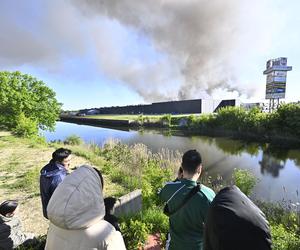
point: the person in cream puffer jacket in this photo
(76, 212)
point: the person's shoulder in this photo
(169, 188)
(106, 235)
(115, 241)
(208, 192)
(172, 185)
(49, 168)
(101, 227)
(45, 168)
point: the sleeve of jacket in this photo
(5, 240)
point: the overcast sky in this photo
(95, 53)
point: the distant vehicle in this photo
(81, 114)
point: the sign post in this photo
(276, 72)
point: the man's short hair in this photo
(60, 154)
(8, 207)
(191, 161)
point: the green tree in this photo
(23, 96)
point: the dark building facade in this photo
(172, 107)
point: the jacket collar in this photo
(189, 182)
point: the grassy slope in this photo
(20, 162)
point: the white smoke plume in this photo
(199, 42)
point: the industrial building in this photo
(195, 106)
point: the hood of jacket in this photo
(77, 203)
(235, 222)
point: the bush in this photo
(245, 180)
(283, 239)
(25, 127)
(166, 120)
(73, 140)
(135, 233)
(157, 219)
(140, 120)
(231, 118)
(192, 121)
(288, 119)
(154, 177)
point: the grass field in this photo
(20, 163)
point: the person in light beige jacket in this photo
(76, 211)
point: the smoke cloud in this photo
(196, 43)
(197, 37)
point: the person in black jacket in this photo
(53, 174)
(109, 203)
(234, 222)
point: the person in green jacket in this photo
(187, 216)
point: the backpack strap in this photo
(194, 191)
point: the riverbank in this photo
(280, 128)
(125, 168)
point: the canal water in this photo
(278, 171)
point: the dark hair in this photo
(8, 207)
(60, 154)
(109, 203)
(191, 161)
(180, 170)
(101, 177)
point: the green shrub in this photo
(288, 119)
(155, 217)
(135, 233)
(73, 140)
(166, 120)
(231, 118)
(25, 127)
(283, 239)
(140, 119)
(192, 121)
(154, 177)
(245, 180)
(206, 120)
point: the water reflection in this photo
(275, 168)
(270, 164)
